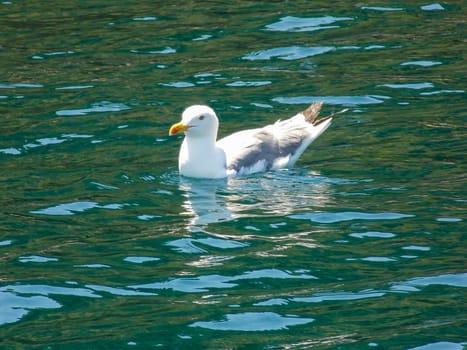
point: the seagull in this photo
(274, 146)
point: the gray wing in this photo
(257, 149)
(274, 146)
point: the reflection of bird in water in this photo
(248, 201)
(274, 146)
(202, 201)
(278, 193)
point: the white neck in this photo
(200, 157)
(199, 146)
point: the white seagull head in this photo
(197, 121)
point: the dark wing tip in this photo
(312, 112)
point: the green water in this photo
(104, 246)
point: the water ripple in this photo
(206, 282)
(44, 141)
(302, 24)
(202, 37)
(453, 280)
(10, 151)
(6, 242)
(417, 247)
(253, 322)
(382, 8)
(163, 51)
(441, 92)
(36, 259)
(191, 285)
(442, 345)
(98, 107)
(75, 207)
(413, 86)
(75, 87)
(43, 289)
(93, 266)
(187, 245)
(288, 53)
(333, 100)
(372, 234)
(421, 63)
(339, 296)
(328, 218)
(20, 85)
(146, 18)
(377, 259)
(117, 291)
(240, 83)
(432, 7)
(15, 307)
(178, 84)
(140, 259)
(52, 54)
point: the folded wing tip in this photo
(312, 112)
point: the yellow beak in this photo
(178, 128)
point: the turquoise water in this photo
(104, 246)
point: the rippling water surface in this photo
(103, 245)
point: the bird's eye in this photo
(201, 117)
